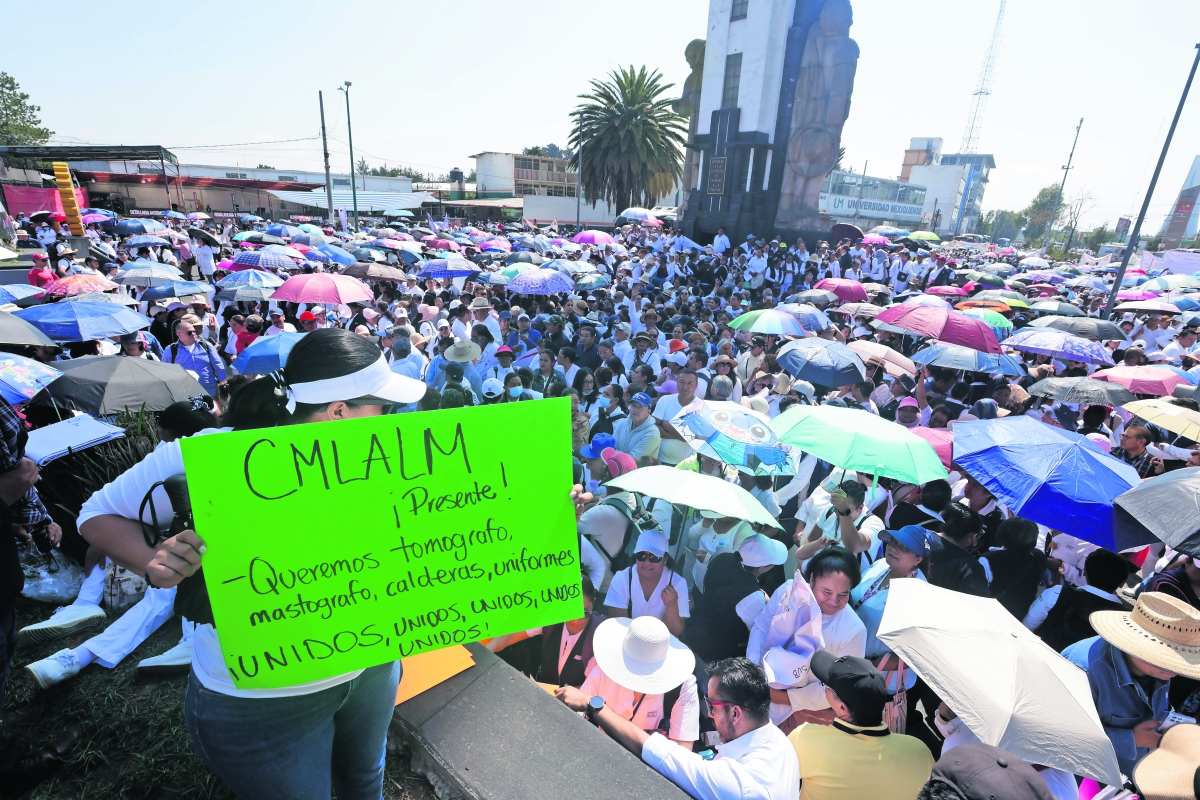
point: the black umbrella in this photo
(263, 238)
(1087, 391)
(424, 231)
(14, 330)
(369, 255)
(524, 257)
(844, 230)
(1164, 508)
(204, 236)
(1098, 330)
(102, 385)
(1056, 307)
(41, 216)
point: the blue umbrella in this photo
(1045, 474)
(250, 218)
(593, 281)
(457, 268)
(539, 282)
(147, 241)
(82, 322)
(336, 253)
(250, 277)
(175, 289)
(310, 239)
(129, 227)
(104, 211)
(279, 229)
(21, 378)
(821, 362)
(18, 291)
(316, 255)
(955, 356)
(172, 214)
(257, 258)
(246, 293)
(266, 353)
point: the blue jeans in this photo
(291, 747)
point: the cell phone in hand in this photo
(1175, 718)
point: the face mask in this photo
(515, 391)
(603, 402)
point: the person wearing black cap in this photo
(979, 771)
(857, 756)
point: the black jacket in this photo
(952, 567)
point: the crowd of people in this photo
(735, 658)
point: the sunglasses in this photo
(714, 704)
(653, 559)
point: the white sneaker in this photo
(55, 669)
(63, 622)
(177, 659)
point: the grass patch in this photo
(134, 743)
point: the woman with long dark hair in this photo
(266, 743)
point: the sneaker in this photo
(177, 659)
(55, 669)
(63, 622)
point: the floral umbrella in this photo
(79, 284)
(21, 378)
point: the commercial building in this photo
(852, 198)
(513, 175)
(954, 184)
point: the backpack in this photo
(174, 351)
(636, 520)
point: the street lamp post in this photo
(350, 134)
(1137, 227)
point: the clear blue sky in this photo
(435, 82)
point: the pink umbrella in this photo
(1135, 271)
(89, 219)
(78, 284)
(443, 244)
(651, 223)
(947, 290)
(1159, 381)
(942, 324)
(226, 265)
(942, 441)
(848, 291)
(323, 287)
(430, 238)
(875, 238)
(1135, 294)
(592, 237)
(403, 237)
(558, 242)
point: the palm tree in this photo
(632, 141)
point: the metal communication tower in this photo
(975, 121)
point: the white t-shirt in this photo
(685, 717)
(272, 330)
(670, 451)
(618, 594)
(123, 498)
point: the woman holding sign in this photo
(290, 742)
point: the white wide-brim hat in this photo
(641, 654)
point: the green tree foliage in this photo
(1098, 236)
(549, 151)
(19, 121)
(264, 166)
(1000, 224)
(632, 140)
(1044, 206)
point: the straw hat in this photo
(1172, 772)
(1161, 631)
(642, 655)
(463, 352)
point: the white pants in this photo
(134, 627)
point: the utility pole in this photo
(861, 181)
(1137, 226)
(1061, 186)
(579, 176)
(350, 133)
(325, 147)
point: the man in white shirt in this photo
(204, 259)
(673, 448)
(1184, 341)
(755, 760)
(278, 325)
(720, 242)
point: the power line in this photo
(240, 144)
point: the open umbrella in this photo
(637, 213)
(735, 435)
(1152, 379)
(1056, 307)
(1059, 344)
(453, 267)
(282, 231)
(1163, 508)
(930, 300)
(1000, 324)
(847, 291)
(822, 362)
(955, 356)
(18, 291)
(176, 288)
(82, 322)
(858, 440)
(21, 378)
(540, 282)
(526, 257)
(879, 355)
(1149, 306)
(266, 353)
(1087, 391)
(322, 287)
(14, 330)
(133, 227)
(694, 490)
(250, 277)
(1098, 330)
(948, 291)
(1048, 475)
(1176, 419)
(1009, 687)
(1034, 261)
(102, 297)
(101, 385)
(768, 320)
(78, 284)
(377, 272)
(814, 319)
(256, 259)
(942, 324)
(593, 281)
(201, 235)
(844, 230)
(985, 305)
(818, 296)
(592, 237)
(941, 440)
(139, 275)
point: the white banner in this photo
(840, 205)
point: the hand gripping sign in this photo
(336, 546)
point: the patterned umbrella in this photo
(78, 284)
(540, 282)
(593, 281)
(250, 277)
(496, 246)
(592, 237)
(942, 324)
(448, 268)
(848, 291)
(21, 378)
(261, 260)
(175, 288)
(768, 320)
(737, 436)
(284, 250)
(1059, 344)
(323, 288)
(1043, 276)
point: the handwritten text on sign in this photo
(335, 546)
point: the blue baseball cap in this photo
(913, 537)
(600, 442)
(642, 399)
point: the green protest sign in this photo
(335, 546)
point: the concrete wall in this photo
(494, 172)
(541, 209)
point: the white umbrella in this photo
(1035, 261)
(701, 492)
(1010, 688)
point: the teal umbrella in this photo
(860, 441)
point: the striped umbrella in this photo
(250, 277)
(261, 260)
